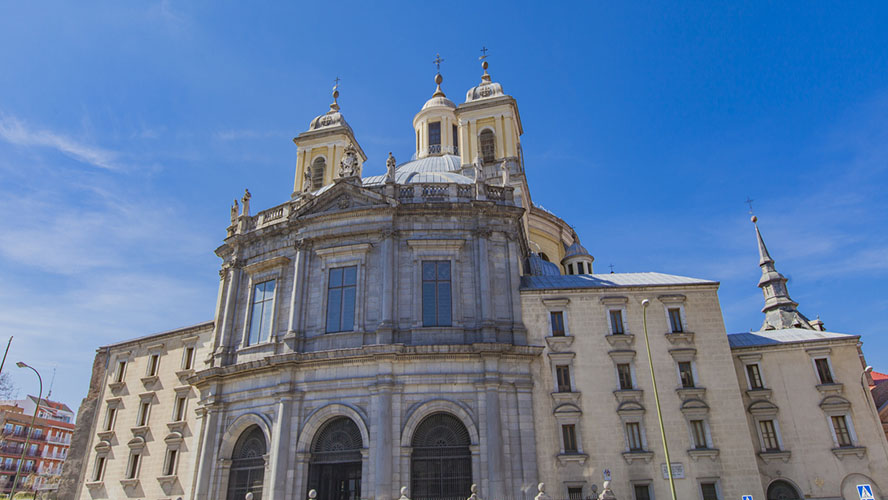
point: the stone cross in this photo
(483, 53)
(438, 61)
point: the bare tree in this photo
(8, 390)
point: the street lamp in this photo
(18, 470)
(644, 305)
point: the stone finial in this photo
(246, 200)
(607, 493)
(234, 210)
(542, 493)
(474, 495)
(403, 488)
(248, 496)
(312, 494)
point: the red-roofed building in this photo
(46, 449)
(878, 378)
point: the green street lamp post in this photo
(30, 430)
(644, 305)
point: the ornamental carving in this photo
(348, 166)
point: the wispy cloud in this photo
(243, 134)
(16, 132)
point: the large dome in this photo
(431, 169)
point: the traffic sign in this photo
(865, 492)
(746, 497)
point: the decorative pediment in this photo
(136, 442)
(341, 197)
(628, 408)
(102, 446)
(762, 407)
(694, 407)
(567, 409)
(836, 404)
(173, 438)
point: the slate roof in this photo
(784, 336)
(612, 280)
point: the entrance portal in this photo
(335, 467)
(441, 463)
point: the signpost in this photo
(746, 497)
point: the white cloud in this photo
(15, 132)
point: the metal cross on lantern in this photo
(483, 53)
(438, 61)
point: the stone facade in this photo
(433, 328)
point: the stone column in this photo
(225, 328)
(209, 417)
(384, 331)
(296, 295)
(382, 446)
(488, 329)
(509, 135)
(280, 447)
(495, 469)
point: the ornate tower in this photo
(435, 125)
(780, 310)
(321, 150)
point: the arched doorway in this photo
(441, 463)
(335, 467)
(247, 465)
(782, 490)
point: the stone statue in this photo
(348, 166)
(306, 180)
(390, 168)
(479, 173)
(505, 173)
(234, 209)
(607, 493)
(542, 493)
(474, 495)
(246, 200)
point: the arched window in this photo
(317, 173)
(247, 465)
(488, 146)
(782, 490)
(335, 467)
(441, 463)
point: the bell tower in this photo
(321, 149)
(435, 126)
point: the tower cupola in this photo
(435, 125)
(321, 149)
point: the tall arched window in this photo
(247, 465)
(317, 173)
(488, 146)
(335, 467)
(441, 463)
(782, 490)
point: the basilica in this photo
(434, 333)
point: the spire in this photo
(486, 76)
(335, 105)
(780, 310)
(438, 77)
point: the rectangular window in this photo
(262, 312)
(557, 323)
(624, 372)
(110, 418)
(563, 373)
(569, 435)
(99, 469)
(755, 377)
(686, 372)
(153, 363)
(698, 428)
(436, 293)
(435, 134)
(121, 371)
(642, 492)
(341, 299)
(455, 140)
(633, 436)
(570, 269)
(144, 409)
(132, 467)
(710, 492)
(843, 436)
(823, 371)
(616, 317)
(675, 319)
(169, 468)
(575, 494)
(179, 409)
(769, 435)
(188, 358)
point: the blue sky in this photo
(126, 129)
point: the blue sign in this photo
(746, 497)
(865, 492)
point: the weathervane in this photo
(438, 61)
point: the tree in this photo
(8, 390)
